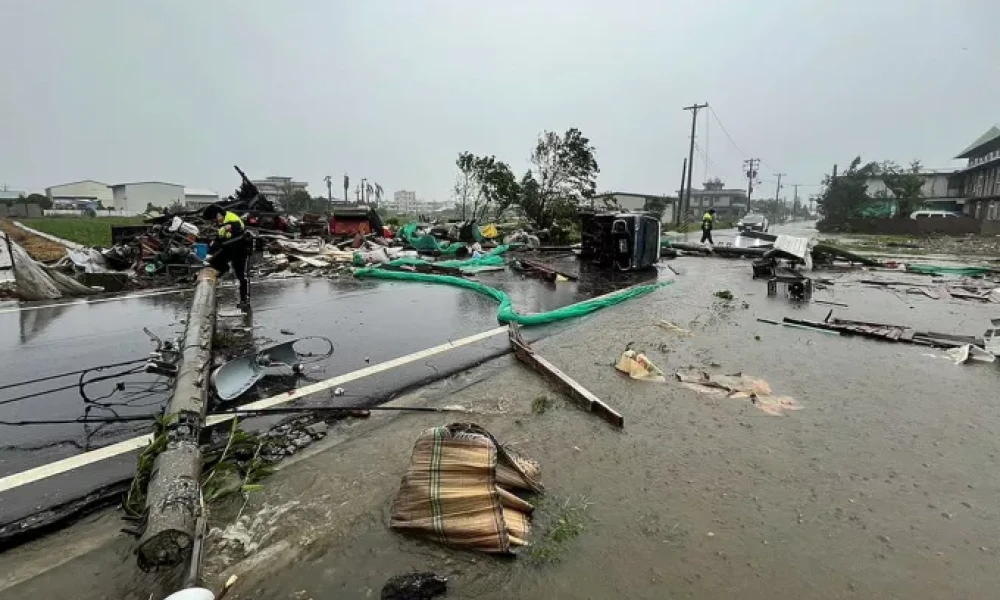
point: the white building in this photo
(276, 187)
(86, 190)
(138, 195)
(637, 202)
(195, 198)
(404, 201)
(942, 189)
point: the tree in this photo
(40, 199)
(484, 182)
(846, 195)
(296, 202)
(906, 186)
(564, 176)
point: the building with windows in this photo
(942, 189)
(980, 179)
(87, 190)
(728, 203)
(662, 205)
(277, 187)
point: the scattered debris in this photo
(287, 332)
(739, 386)
(539, 405)
(415, 586)
(963, 354)
(240, 374)
(891, 333)
(637, 366)
(675, 329)
(459, 490)
(724, 294)
(579, 394)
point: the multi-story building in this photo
(638, 202)
(404, 201)
(981, 176)
(942, 189)
(277, 187)
(728, 203)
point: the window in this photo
(992, 215)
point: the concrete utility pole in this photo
(173, 498)
(347, 184)
(329, 189)
(680, 194)
(751, 165)
(694, 108)
(777, 190)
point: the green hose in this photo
(506, 313)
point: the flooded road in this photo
(881, 486)
(368, 322)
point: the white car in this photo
(753, 222)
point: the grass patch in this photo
(89, 231)
(539, 405)
(565, 522)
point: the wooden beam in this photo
(579, 394)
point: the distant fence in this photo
(92, 213)
(906, 227)
(21, 209)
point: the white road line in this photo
(94, 301)
(23, 478)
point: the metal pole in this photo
(680, 194)
(173, 499)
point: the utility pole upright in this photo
(694, 108)
(777, 189)
(680, 194)
(751, 164)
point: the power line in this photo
(708, 160)
(726, 131)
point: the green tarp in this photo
(966, 271)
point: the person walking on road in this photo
(707, 221)
(230, 248)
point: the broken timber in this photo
(580, 395)
(889, 333)
(173, 499)
(547, 272)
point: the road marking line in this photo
(94, 301)
(58, 467)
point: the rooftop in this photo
(984, 144)
(199, 192)
(76, 182)
(145, 182)
(635, 195)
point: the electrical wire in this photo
(68, 373)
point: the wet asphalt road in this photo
(368, 322)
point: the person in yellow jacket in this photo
(707, 222)
(230, 248)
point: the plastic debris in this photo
(675, 329)
(738, 386)
(415, 586)
(968, 352)
(637, 366)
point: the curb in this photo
(50, 237)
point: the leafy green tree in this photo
(564, 176)
(906, 185)
(40, 199)
(296, 202)
(846, 195)
(484, 186)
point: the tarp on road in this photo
(459, 490)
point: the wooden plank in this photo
(579, 394)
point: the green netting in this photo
(506, 313)
(944, 270)
(471, 265)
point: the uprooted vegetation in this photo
(558, 523)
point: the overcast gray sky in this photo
(125, 90)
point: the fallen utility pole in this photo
(173, 499)
(579, 394)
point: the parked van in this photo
(935, 214)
